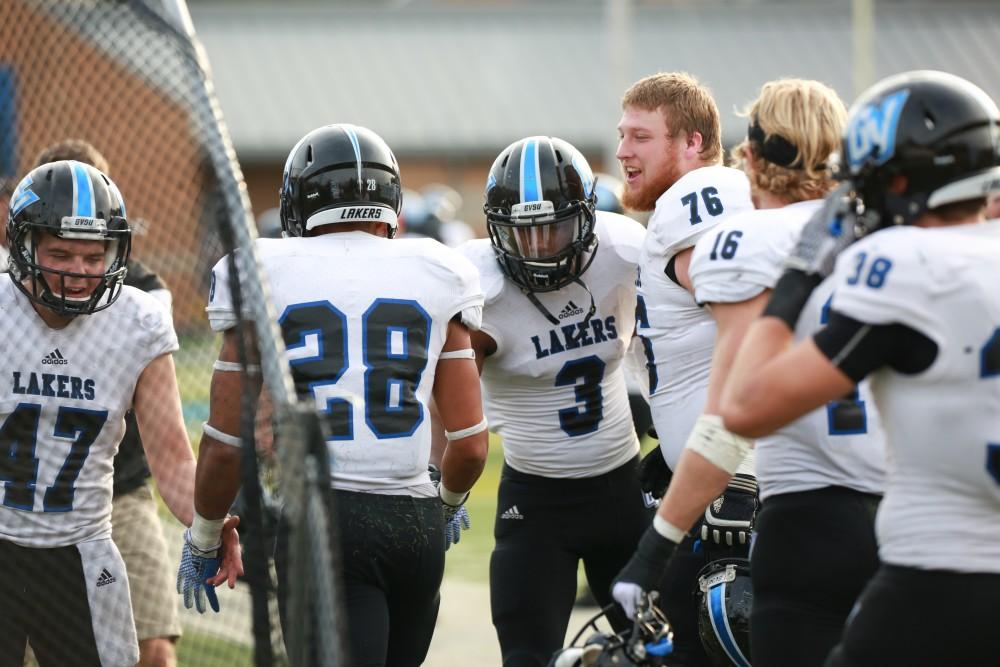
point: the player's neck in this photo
(763, 199)
(53, 319)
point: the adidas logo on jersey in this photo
(105, 578)
(570, 310)
(512, 513)
(55, 357)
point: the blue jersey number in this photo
(846, 416)
(642, 322)
(394, 339)
(876, 272)
(19, 466)
(709, 195)
(989, 367)
(729, 246)
(585, 418)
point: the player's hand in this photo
(231, 567)
(198, 565)
(729, 519)
(456, 517)
(643, 571)
(829, 231)
(654, 474)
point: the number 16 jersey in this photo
(556, 392)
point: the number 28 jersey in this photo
(839, 444)
(364, 320)
(64, 397)
(556, 392)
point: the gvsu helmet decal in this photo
(871, 134)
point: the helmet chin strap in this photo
(549, 316)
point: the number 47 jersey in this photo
(62, 405)
(364, 320)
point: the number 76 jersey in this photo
(364, 319)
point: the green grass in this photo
(204, 650)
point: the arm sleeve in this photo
(858, 349)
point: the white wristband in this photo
(668, 530)
(723, 449)
(234, 366)
(466, 432)
(206, 534)
(467, 353)
(224, 438)
(450, 497)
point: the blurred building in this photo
(449, 84)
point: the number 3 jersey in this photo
(942, 503)
(840, 444)
(556, 392)
(364, 319)
(676, 334)
(65, 395)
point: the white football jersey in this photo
(942, 504)
(63, 412)
(839, 444)
(364, 320)
(676, 333)
(556, 393)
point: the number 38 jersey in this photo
(556, 392)
(942, 504)
(676, 334)
(63, 403)
(840, 444)
(364, 319)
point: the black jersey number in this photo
(19, 466)
(642, 322)
(394, 338)
(709, 195)
(585, 375)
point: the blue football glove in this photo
(197, 567)
(456, 519)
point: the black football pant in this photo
(923, 618)
(544, 527)
(392, 554)
(813, 554)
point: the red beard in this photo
(644, 199)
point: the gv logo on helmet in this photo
(22, 196)
(872, 131)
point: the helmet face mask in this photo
(540, 200)
(71, 201)
(918, 141)
(339, 174)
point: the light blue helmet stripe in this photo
(352, 135)
(720, 624)
(23, 196)
(531, 184)
(83, 191)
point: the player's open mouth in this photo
(632, 174)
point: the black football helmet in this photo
(609, 193)
(339, 173)
(725, 596)
(71, 200)
(540, 201)
(938, 130)
(648, 643)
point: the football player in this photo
(916, 308)
(86, 349)
(135, 525)
(559, 281)
(671, 156)
(374, 327)
(820, 477)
